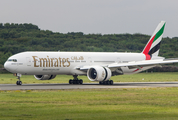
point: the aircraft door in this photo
(28, 60)
(89, 61)
(118, 60)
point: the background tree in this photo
(15, 38)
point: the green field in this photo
(90, 104)
(100, 104)
(141, 77)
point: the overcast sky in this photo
(93, 16)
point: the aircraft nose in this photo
(9, 67)
(6, 66)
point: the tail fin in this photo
(153, 45)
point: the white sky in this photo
(93, 16)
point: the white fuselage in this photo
(42, 63)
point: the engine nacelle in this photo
(44, 77)
(98, 73)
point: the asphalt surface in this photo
(86, 86)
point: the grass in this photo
(141, 77)
(89, 104)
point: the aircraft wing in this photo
(143, 63)
(136, 64)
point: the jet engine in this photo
(98, 73)
(44, 77)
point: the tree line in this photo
(15, 38)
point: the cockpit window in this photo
(13, 60)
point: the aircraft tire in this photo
(19, 83)
(70, 81)
(111, 82)
(80, 81)
(108, 82)
(77, 82)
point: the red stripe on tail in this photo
(147, 48)
(148, 57)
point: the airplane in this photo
(97, 66)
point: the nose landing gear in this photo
(19, 82)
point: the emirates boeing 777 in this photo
(97, 66)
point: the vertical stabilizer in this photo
(153, 45)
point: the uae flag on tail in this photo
(153, 45)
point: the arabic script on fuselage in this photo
(77, 58)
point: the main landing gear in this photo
(75, 80)
(19, 82)
(108, 82)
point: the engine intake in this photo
(44, 77)
(98, 73)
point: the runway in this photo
(86, 86)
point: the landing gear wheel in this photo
(70, 81)
(104, 83)
(80, 81)
(100, 82)
(19, 83)
(111, 82)
(108, 82)
(75, 80)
